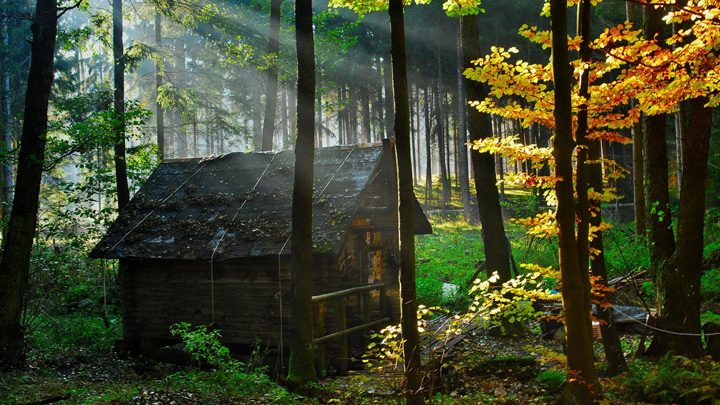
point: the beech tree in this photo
(495, 245)
(589, 176)
(582, 386)
(15, 262)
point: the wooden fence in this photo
(320, 302)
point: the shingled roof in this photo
(239, 205)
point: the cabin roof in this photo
(239, 205)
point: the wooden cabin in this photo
(208, 241)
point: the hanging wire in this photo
(204, 162)
(656, 329)
(212, 256)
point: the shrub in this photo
(228, 376)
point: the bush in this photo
(228, 376)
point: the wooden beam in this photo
(350, 330)
(342, 293)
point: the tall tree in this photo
(272, 76)
(6, 179)
(302, 368)
(678, 284)
(659, 222)
(121, 180)
(495, 246)
(589, 175)
(582, 386)
(406, 199)
(15, 262)
(463, 174)
(160, 111)
(677, 267)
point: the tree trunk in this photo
(582, 386)
(292, 107)
(428, 148)
(160, 112)
(678, 283)
(302, 359)
(413, 133)
(614, 356)
(638, 176)
(121, 181)
(365, 108)
(497, 252)
(440, 128)
(408, 308)
(581, 171)
(15, 263)
(379, 105)
(591, 214)
(657, 197)
(284, 119)
(389, 114)
(462, 137)
(319, 123)
(418, 161)
(7, 186)
(257, 117)
(272, 76)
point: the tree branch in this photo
(64, 10)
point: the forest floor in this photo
(482, 368)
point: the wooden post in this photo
(383, 301)
(342, 318)
(320, 317)
(366, 315)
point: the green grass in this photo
(448, 255)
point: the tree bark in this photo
(582, 386)
(121, 181)
(302, 367)
(15, 263)
(497, 251)
(406, 198)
